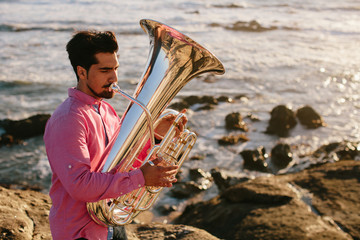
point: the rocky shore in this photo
(319, 200)
(321, 203)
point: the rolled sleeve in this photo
(137, 178)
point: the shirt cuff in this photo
(137, 178)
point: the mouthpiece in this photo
(115, 87)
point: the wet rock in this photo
(7, 140)
(159, 231)
(337, 151)
(185, 189)
(191, 100)
(255, 159)
(252, 26)
(23, 129)
(282, 120)
(309, 117)
(205, 102)
(253, 118)
(233, 139)
(234, 121)
(199, 181)
(320, 203)
(241, 97)
(281, 155)
(225, 99)
(179, 106)
(198, 157)
(166, 209)
(225, 179)
(198, 174)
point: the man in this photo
(76, 136)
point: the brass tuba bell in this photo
(174, 59)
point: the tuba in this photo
(174, 59)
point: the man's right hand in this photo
(159, 176)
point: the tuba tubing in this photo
(174, 59)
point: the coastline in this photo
(321, 202)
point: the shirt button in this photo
(69, 166)
(139, 185)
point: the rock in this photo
(197, 157)
(281, 155)
(206, 103)
(337, 151)
(234, 121)
(179, 106)
(199, 174)
(335, 188)
(255, 159)
(24, 214)
(309, 117)
(23, 129)
(159, 231)
(233, 139)
(252, 26)
(199, 181)
(282, 120)
(186, 189)
(319, 203)
(253, 118)
(225, 99)
(224, 179)
(263, 191)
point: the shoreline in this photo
(320, 202)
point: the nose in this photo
(113, 78)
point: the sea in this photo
(292, 53)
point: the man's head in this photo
(93, 58)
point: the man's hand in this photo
(160, 176)
(166, 122)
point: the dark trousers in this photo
(119, 233)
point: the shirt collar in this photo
(83, 97)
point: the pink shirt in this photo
(75, 140)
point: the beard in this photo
(104, 94)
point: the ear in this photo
(81, 72)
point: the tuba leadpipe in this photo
(174, 59)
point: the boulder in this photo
(281, 155)
(224, 179)
(319, 203)
(160, 231)
(234, 121)
(24, 214)
(199, 182)
(282, 120)
(255, 160)
(23, 129)
(309, 117)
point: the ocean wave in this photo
(232, 5)
(58, 28)
(252, 26)
(23, 28)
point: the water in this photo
(311, 58)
